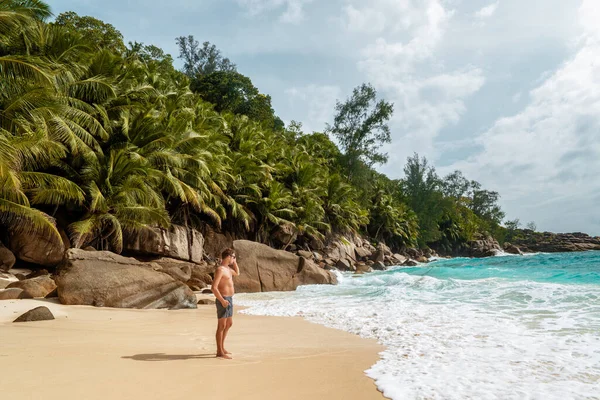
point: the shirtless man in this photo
(222, 287)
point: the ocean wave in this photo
(451, 338)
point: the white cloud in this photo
(589, 14)
(545, 160)
(488, 11)
(367, 20)
(318, 102)
(294, 9)
(427, 98)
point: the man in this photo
(222, 287)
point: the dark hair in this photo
(226, 253)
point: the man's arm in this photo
(236, 269)
(215, 286)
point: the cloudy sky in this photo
(507, 91)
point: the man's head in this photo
(227, 256)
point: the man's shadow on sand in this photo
(168, 357)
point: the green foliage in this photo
(119, 140)
(235, 93)
(93, 31)
(200, 61)
(513, 225)
(485, 204)
(421, 187)
(392, 221)
(360, 125)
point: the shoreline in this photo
(99, 353)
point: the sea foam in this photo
(467, 328)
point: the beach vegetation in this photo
(106, 139)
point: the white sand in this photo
(92, 353)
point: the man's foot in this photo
(224, 355)
(226, 352)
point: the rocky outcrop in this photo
(312, 274)
(264, 269)
(14, 293)
(362, 268)
(483, 247)
(39, 286)
(547, 242)
(344, 253)
(285, 234)
(40, 313)
(398, 259)
(363, 253)
(7, 258)
(378, 265)
(6, 279)
(345, 265)
(340, 252)
(215, 242)
(38, 247)
(512, 249)
(105, 279)
(175, 242)
(196, 276)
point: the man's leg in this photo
(228, 323)
(221, 323)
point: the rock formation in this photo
(105, 279)
(264, 269)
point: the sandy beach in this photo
(99, 353)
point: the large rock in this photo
(264, 269)
(215, 242)
(37, 247)
(40, 286)
(6, 279)
(196, 284)
(312, 274)
(413, 253)
(362, 267)
(173, 242)
(14, 293)
(285, 234)
(341, 248)
(40, 313)
(7, 258)
(386, 250)
(398, 259)
(378, 255)
(363, 253)
(485, 247)
(305, 254)
(179, 274)
(105, 279)
(530, 241)
(512, 249)
(378, 265)
(344, 265)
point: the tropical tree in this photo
(101, 34)
(360, 125)
(200, 61)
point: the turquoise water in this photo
(563, 268)
(506, 327)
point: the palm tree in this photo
(21, 185)
(121, 196)
(342, 211)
